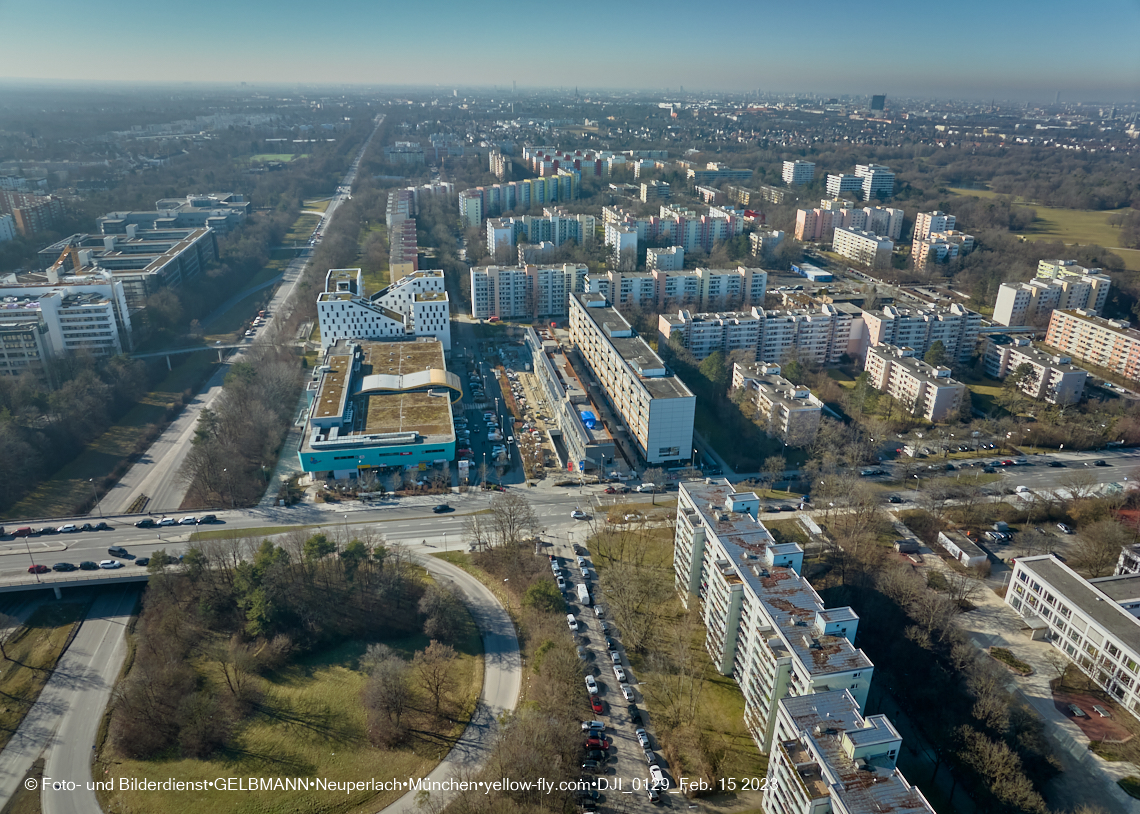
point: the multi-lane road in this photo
(156, 475)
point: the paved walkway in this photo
(502, 676)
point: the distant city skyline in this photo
(982, 50)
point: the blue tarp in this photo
(589, 419)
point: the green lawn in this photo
(976, 193)
(70, 487)
(1073, 225)
(302, 229)
(845, 379)
(787, 531)
(286, 157)
(983, 391)
(319, 206)
(311, 724)
(374, 278)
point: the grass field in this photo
(285, 157)
(302, 229)
(374, 278)
(312, 725)
(1073, 226)
(70, 486)
(977, 193)
(33, 652)
(842, 377)
(319, 206)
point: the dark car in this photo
(142, 561)
(591, 766)
(101, 526)
(145, 523)
(63, 566)
(989, 470)
(87, 527)
(771, 508)
(1100, 463)
(207, 518)
(894, 499)
(597, 705)
(49, 530)
(635, 715)
(787, 508)
(87, 565)
(1055, 463)
(442, 508)
(38, 569)
(596, 754)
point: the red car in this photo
(38, 569)
(595, 703)
(1007, 463)
(596, 743)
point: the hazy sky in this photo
(1015, 49)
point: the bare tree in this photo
(1098, 547)
(433, 667)
(513, 519)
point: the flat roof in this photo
(1091, 599)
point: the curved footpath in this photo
(502, 675)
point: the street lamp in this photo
(96, 494)
(35, 572)
(346, 528)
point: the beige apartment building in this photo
(790, 411)
(923, 389)
(1107, 343)
(1054, 379)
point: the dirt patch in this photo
(1093, 726)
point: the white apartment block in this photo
(524, 292)
(655, 406)
(765, 242)
(927, 223)
(940, 247)
(798, 173)
(820, 224)
(1093, 622)
(918, 328)
(416, 305)
(1031, 303)
(838, 184)
(866, 248)
(631, 288)
(878, 181)
(554, 226)
(1108, 343)
(790, 411)
(670, 258)
(1060, 269)
(924, 390)
(622, 240)
(820, 337)
(7, 228)
(766, 626)
(885, 221)
(1055, 379)
(652, 191)
(827, 757)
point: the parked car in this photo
(168, 521)
(894, 499)
(572, 622)
(1056, 463)
(578, 514)
(110, 564)
(650, 758)
(88, 565)
(595, 728)
(619, 673)
(657, 777)
(561, 583)
(1100, 463)
(642, 737)
(207, 518)
(599, 610)
(615, 657)
(63, 566)
(626, 691)
(634, 714)
(588, 765)
(596, 704)
(145, 523)
(1064, 529)
(442, 508)
(38, 569)
(70, 528)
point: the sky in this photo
(1023, 50)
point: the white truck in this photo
(584, 594)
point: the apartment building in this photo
(401, 206)
(885, 221)
(956, 326)
(765, 242)
(1092, 621)
(766, 626)
(1054, 378)
(416, 305)
(710, 195)
(669, 258)
(482, 202)
(498, 164)
(655, 406)
(924, 390)
(403, 248)
(790, 412)
(7, 228)
(710, 289)
(524, 292)
(404, 152)
(819, 336)
(654, 191)
(827, 757)
(940, 247)
(221, 211)
(32, 214)
(637, 288)
(838, 184)
(554, 226)
(23, 349)
(1107, 343)
(577, 419)
(927, 223)
(679, 227)
(865, 248)
(759, 192)
(716, 173)
(1031, 303)
(1062, 269)
(819, 224)
(878, 181)
(798, 173)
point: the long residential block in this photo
(525, 291)
(924, 390)
(1107, 343)
(956, 326)
(765, 625)
(1051, 378)
(655, 406)
(1032, 303)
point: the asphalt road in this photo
(502, 676)
(156, 473)
(66, 717)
